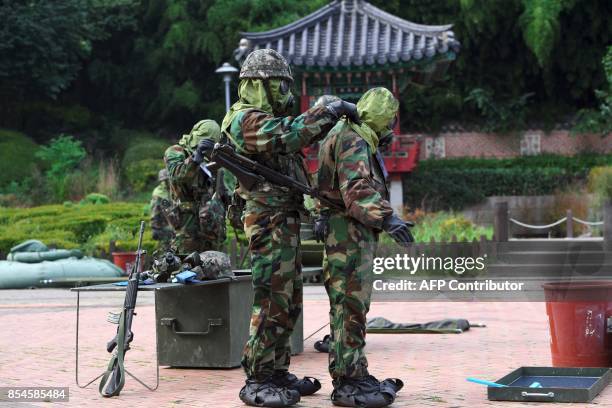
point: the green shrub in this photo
(17, 156)
(443, 226)
(142, 175)
(456, 183)
(69, 226)
(142, 161)
(126, 239)
(600, 183)
(95, 198)
(63, 154)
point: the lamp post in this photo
(227, 71)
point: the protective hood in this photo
(376, 108)
(251, 95)
(204, 129)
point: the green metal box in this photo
(559, 384)
(207, 324)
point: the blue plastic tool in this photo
(485, 382)
(535, 385)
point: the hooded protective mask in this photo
(204, 129)
(252, 95)
(377, 107)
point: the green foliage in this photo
(150, 63)
(125, 239)
(95, 198)
(499, 116)
(142, 175)
(599, 121)
(62, 155)
(142, 161)
(540, 25)
(44, 43)
(442, 227)
(600, 183)
(17, 153)
(456, 183)
(88, 226)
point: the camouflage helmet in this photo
(326, 100)
(204, 129)
(162, 175)
(215, 264)
(265, 64)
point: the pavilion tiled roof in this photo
(355, 33)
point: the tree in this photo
(43, 43)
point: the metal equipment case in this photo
(207, 324)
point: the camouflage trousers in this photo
(274, 243)
(200, 229)
(347, 271)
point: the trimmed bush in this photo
(456, 183)
(71, 226)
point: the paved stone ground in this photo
(37, 333)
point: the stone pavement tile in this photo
(37, 348)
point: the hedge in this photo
(87, 226)
(456, 183)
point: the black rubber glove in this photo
(204, 147)
(344, 108)
(321, 227)
(398, 229)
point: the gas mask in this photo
(279, 95)
(386, 135)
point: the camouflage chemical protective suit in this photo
(160, 200)
(271, 216)
(349, 172)
(197, 213)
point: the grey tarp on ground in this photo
(382, 325)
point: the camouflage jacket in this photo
(187, 181)
(349, 172)
(277, 143)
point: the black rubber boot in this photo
(365, 392)
(323, 345)
(267, 394)
(305, 386)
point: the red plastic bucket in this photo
(124, 260)
(578, 314)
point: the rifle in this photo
(113, 379)
(250, 172)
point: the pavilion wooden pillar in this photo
(304, 98)
(396, 189)
(395, 91)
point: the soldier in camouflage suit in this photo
(351, 173)
(257, 128)
(197, 213)
(160, 199)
